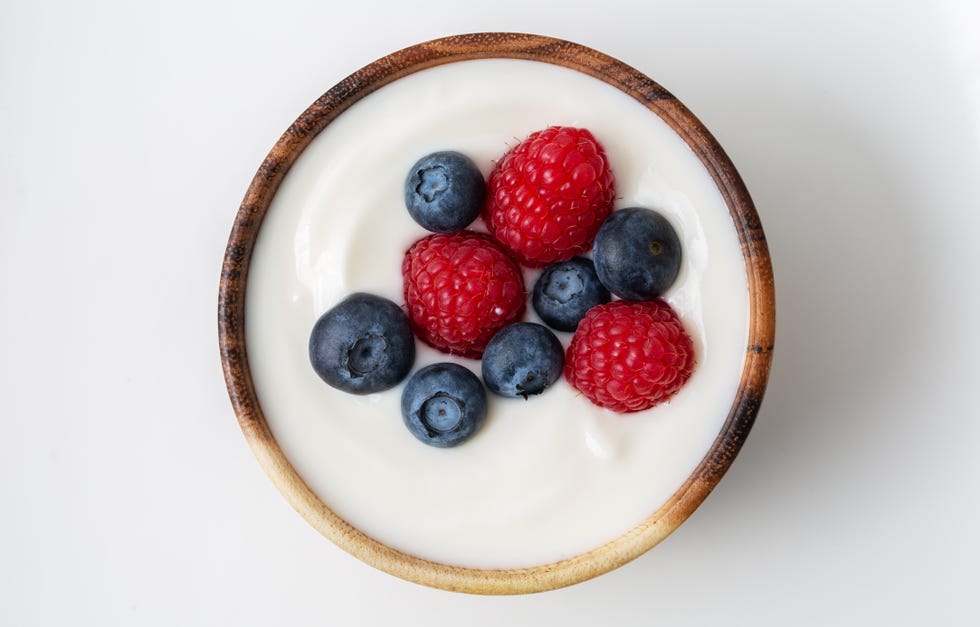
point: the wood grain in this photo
(248, 221)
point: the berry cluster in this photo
(547, 202)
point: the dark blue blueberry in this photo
(444, 404)
(522, 359)
(444, 192)
(565, 291)
(363, 345)
(637, 254)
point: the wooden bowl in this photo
(234, 274)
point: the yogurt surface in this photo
(544, 479)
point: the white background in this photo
(128, 134)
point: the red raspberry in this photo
(460, 290)
(629, 356)
(548, 196)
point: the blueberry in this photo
(565, 291)
(444, 192)
(522, 359)
(444, 404)
(362, 345)
(637, 254)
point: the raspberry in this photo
(460, 290)
(548, 196)
(629, 356)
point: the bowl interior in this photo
(257, 202)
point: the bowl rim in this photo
(248, 221)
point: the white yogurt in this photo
(545, 479)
